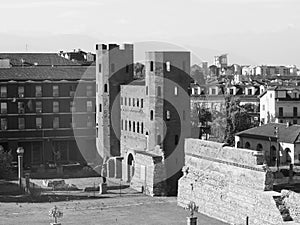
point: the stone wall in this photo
(149, 174)
(226, 183)
(292, 202)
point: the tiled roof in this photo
(47, 73)
(287, 134)
(39, 59)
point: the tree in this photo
(204, 116)
(5, 163)
(237, 118)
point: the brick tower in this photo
(114, 67)
(168, 108)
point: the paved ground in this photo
(128, 209)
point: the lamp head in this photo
(20, 150)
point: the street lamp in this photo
(20, 152)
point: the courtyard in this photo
(121, 205)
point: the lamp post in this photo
(20, 152)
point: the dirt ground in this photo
(127, 209)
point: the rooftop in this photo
(47, 73)
(287, 134)
(37, 59)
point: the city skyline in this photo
(250, 31)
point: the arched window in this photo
(142, 128)
(151, 115)
(259, 147)
(133, 126)
(105, 88)
(287, 155)
(168, 115)
(151, 66)
(247, 145)
(138, 127)
(129, 125)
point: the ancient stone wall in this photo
(226, 183)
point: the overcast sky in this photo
(260, 31)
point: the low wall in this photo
(149, 174)
(292, 202)
(228, 184)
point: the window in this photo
(122, 124)
(129, 101)
(249, 91)
(176, 139)
(38, 107)
(99, 68)
(295, 111)
(280, 111)
(151, 66)
(55, 107)
(100, 107)
(247, 145)
(72, 106)
(129, 125)
(3, 92)
(89, 121)
(137, 102)
(168, 115)
(112, 67)
(133, 102)
(55, 91)
(125, 124)
(168, 66)
(176, 90)
(21, 107)
(127, 68)
(159, 91)
(133, 126)
(142, 128)
(142, 103)
(151, 115)
(125, 101)
(295, 121)
(21, 91)
(56, 122)
(3, 107)
(38, 122)
(213, 91)
(231, 91)
(138, 127)
(121, 100)
(264, 108)
(105, 88)
(3, 124)
(38, 91)
(146, 90)
(89, 106)
(21, 123)
(89, 91)
(72, 90)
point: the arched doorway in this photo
(238, 144)
(259, 147)
(272, 155)
(130, 167)
(288, 158)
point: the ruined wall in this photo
(149, 174)
(226, 183)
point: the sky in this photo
(250, 31)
